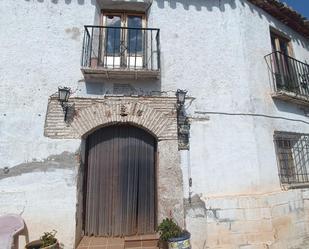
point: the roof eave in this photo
(285, 14)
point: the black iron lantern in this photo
(181, 96)
(63, 94)
(63, 97)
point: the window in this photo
(280, 42)
(286, 71)
(124, 39)
(121, 47)
(293, 157)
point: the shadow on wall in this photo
(124, 87)
(197, 4)
(80, 2)
(262, 14)
(288, 107)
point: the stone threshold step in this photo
(128, 242)
(142, 237)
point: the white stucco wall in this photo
(219, 51)
(40, 50)
(215, 49)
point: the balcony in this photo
(120, 53)
(290, 78)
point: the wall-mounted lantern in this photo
(182, 121)
(63, 97)
(181, 97)
(64, 94)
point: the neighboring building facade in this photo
(230, 165)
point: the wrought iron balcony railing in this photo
(121, 49)
(288, 74)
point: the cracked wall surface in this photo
(274, 221)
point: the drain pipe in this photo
(187, 178)
(189, 175)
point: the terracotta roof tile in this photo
(285, 14)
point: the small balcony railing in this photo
(289, 76)
(121, 51)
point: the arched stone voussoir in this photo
(136, 113)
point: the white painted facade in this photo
(214, 49)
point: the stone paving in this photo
(131, 242)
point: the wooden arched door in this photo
(120, 182)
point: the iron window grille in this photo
(293, 157)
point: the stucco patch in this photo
(74, 33)
(196, 207)
(169, 182)
(65, 160)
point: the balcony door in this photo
(285, 73)
(122, 40)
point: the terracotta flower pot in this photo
(37, 244)
(94, 62)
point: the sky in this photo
(301, 6)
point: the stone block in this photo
(251, 226)
(305, 194)
(227, 215)
(280, 210)
(282, 197)
(251, 246)
(252, 202)
(260, 237)
(221, 203)
(257, 213)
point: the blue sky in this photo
(302, 6)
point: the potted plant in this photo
(172, 236)
(47, 241)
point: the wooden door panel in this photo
(120, 198)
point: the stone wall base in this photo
(275, 221)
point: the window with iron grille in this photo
(293, 157)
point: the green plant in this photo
(169, 229)
(48, 238)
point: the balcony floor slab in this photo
(291, 97)
(106, 73)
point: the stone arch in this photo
(155, 115)
(136, 113)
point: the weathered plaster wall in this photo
(228, 40)
(41, 45)
(44, 193)
(216, 50)
(40, 50)
(213, 48)
(232, 156)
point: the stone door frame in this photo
(156, 115)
